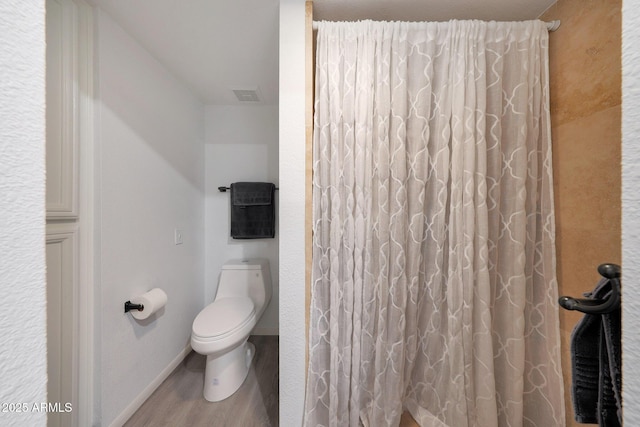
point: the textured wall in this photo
(585, 76)
(23, 347)
(631, 210)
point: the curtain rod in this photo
(551, 26)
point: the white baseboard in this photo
(144, 395)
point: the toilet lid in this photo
(223, 316)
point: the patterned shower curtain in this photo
(433, 281)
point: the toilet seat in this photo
(222, 318)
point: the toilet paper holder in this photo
(128, 306)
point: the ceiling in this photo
(218, 46)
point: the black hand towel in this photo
(253, 212)
(596, 365)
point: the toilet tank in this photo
(246, 277)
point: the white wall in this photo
(630, 210)
(292, 212)
(23, 347)
(242, 145)
(151, 143)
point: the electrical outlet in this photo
(177, 236)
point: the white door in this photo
(62, 345)
(69, 250)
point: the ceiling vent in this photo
(248, 95)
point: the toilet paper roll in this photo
(152, 301)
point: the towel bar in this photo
(224, 189)
(612, 272)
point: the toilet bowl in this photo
(221, 329)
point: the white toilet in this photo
(221, 330)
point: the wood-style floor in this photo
(178, 402)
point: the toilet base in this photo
(225, 374)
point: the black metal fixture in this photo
(611, 272)
(128, 306)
